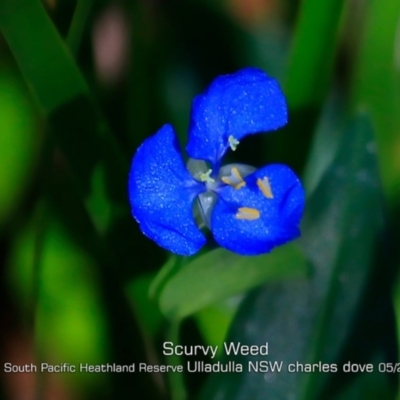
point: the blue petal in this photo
(161, 193)
(239, 104)
(278, 219)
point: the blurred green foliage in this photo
(70, 323)
(19, 142)
(83, 83)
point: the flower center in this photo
(232, 175)
(205, 177)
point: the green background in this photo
(82, 84)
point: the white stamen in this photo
(233, 143)
(205, 177)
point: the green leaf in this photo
(220, 273)
(308, 320)
(214, 321)
(147, 311)
(325, 143)
(77, 27)
(62, 93)
(41, 54)
(376, 86)
(169, 268)
(19, 143)
(313, 51)
(396, 304)
(70, 321)
(369, 386)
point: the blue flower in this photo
(248, 211)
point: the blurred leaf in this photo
(180, 86)
(148, 313)
(325, 144)
(396, 303)
(98, 202)
(376, 86)
(267, 46)
(19, 143)
(125, 339)
(313, 50)
(215, 320)
(79, 20)
(309, 319)
(62, 93)
(220, 273)
(308, 79)
(40, 53)
(369, 386)
(148, 56)
(170, 268)
(71, 324)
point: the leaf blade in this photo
(191, 288)
(41, 54)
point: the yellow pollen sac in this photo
(240, 184)
(236, 172)
(235, 179)
(247, 213)
(265, 187)
(226, 181)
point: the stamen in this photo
(239, 185)
(265, 187)
(236, 172)
(247, 213)
(227, 181)
(235, 179)
(233, 143)
(205, 177)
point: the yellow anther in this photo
(247, 213)
(233, 143)
(239, 185)
(205, 177)
(236, 173)
(227, 181)
(265, 187)
(235, 179)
